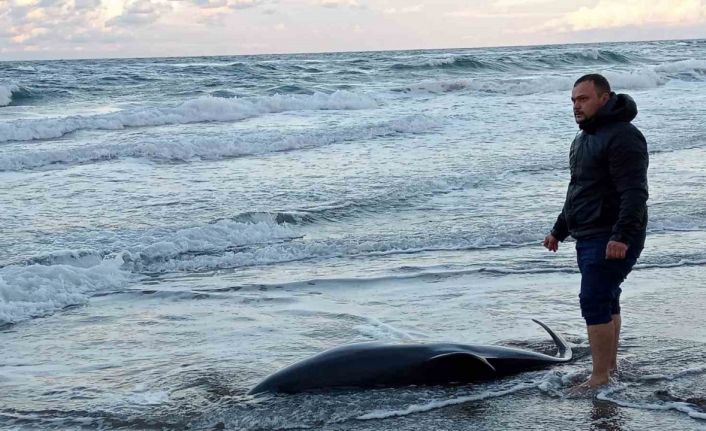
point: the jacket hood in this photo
(619, 108)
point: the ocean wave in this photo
(26, 68)
(437, 404)
(678, 264)
(39, 290)
(547, 270)
(45, 284)
(620, 80)
(180, 149)
(7, 92)
(203, 109)
(584, 57)
(590, 56)
(692, 66)
(217, 237)
(289, 89)
(679, 223)
(689, 409)
(674, 376)
(464, 62)
(154, 245)
(291, 217)
(302, 249)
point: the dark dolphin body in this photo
(375, 364)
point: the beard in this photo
(583, 120)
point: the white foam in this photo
(437, 404)
(634, 80)
(214, 237)
(324, 248)
(6, 91)
(673, 376)
(691, 65)
(435, 62)
(82, 258)
(679, 406)
(141, 395)
(70, 277)
(39, 290)
(443, 85)
(680, 263)
(379, 330)
(522, 86)
(202, 109)
(554, 382)
(187, 148)
(591, 53)
(679, 223)
(621, 80)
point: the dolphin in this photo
(377, 364)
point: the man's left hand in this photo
(616, 250)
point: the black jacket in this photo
(607, 193)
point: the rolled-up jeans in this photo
(601, 278)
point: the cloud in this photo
(341, 3)
(403, 10)
(630, 13)
(28, 22)
(86, 4)
(244, 4)
(508, 4)
(233, 4)
(476, 14)
(140, 12)
(211, 3)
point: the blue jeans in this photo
(601, 279)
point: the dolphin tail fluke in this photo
(565, 353)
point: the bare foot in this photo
(588, 387)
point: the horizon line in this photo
(355, 51)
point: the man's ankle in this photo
(599, 378)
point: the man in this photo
(605, 211)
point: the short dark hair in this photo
(599, 81)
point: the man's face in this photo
(587, 101)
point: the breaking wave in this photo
(9, 93)
(203, 109)
(186, 148)
(623, 80)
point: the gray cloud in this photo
(233, 4)
(49, 24)
(341, 3)
(244, 4)
(87, 4)
(210, 3)
(138, 13)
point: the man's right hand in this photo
(551, 243)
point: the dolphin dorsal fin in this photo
(564, 352)
(462, 364)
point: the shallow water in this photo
(174, 230)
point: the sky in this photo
(53, 29)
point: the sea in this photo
(174, 230)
